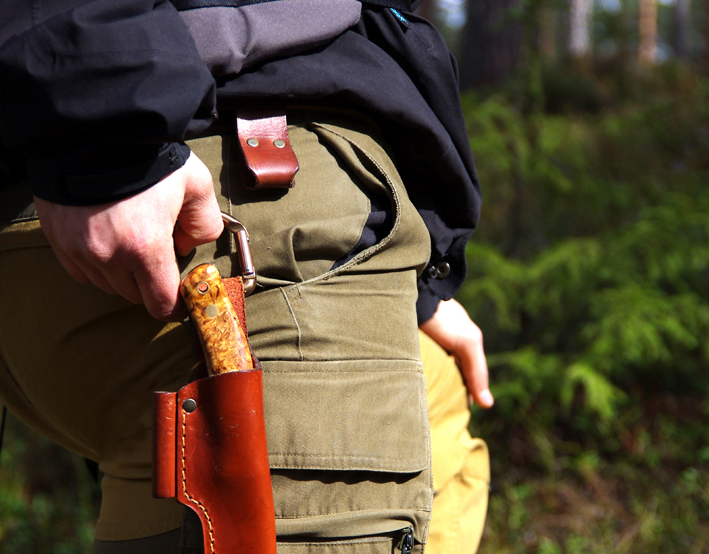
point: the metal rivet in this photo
(189, 405)
(278, 143)
(211, 311)
(252, 142)
(443, 270)
(203, 287)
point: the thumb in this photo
(199, 220)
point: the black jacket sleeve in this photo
(99, 93)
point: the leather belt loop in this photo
(263, 135)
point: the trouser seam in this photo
(298, 340)
(425, 509)
(388, 184)
(20, 391)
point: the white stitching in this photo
(184, 485)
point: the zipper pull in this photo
(402, 20)
(407, 541)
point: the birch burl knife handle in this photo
(222, 335)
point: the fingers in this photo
(452, 328)
(470, 355)
(157, 279)
(187, 220)
(199, 220)
(127, 247)
(75, 263)
(86, 267)
(71, 268)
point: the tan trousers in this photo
(461, 465)
(344, 391)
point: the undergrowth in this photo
(590, 279)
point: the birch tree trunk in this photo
(579, 28)
(647, 23)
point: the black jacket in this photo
(98, 95)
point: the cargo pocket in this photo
(399, 541)
(364, 304)
(349, 452)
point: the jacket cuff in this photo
(87, 175)
(426, 304)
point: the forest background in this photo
(589, 275)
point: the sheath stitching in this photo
(184, 485)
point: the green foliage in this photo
(589, 276)
(48, 502)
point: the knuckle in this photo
(476, 335)
(93, 249)
(162, 311)
(140, 247)
(141, 243)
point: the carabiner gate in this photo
(248, 272)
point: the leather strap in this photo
(234, 288)
(266, 148)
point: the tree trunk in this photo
(683, 28)
(491, 43)
(546, 37)
(705, 36)
(427, 10)
(647, 23)
(579, 28)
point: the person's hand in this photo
(452, 328)
(128, 247)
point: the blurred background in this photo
(589, 275)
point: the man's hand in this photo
(128, 247)
(452, 328)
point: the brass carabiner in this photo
(248, 272)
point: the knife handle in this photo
(222, 335)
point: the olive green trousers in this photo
(334, 328)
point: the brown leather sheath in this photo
(209, 452)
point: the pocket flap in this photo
(346, 415)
